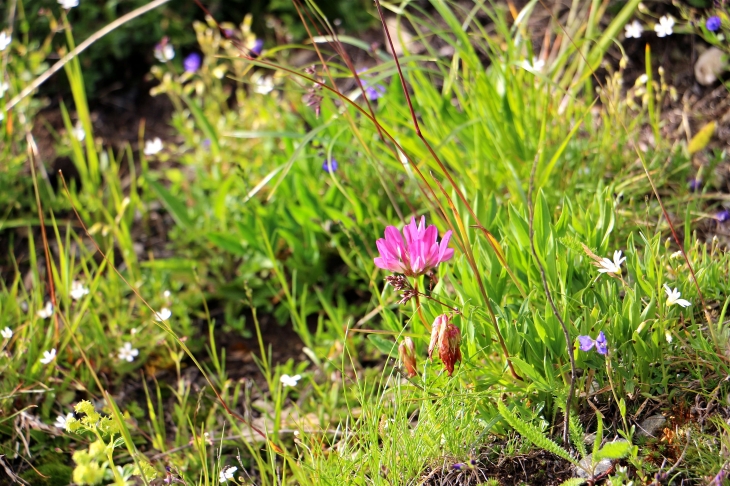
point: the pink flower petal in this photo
(394, 241)
(410, 231)
(430, 235)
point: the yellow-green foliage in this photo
(90, 464)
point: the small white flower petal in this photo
(683, 303)
(6, 333)
(5, 40)
(48, 356)
(127, 353)
(61, 420)
(633, 30)
(287, 380)
(152, 147)
(664, 27)
(163, 315)
(67, 4)
(46, 312)
(78, 290)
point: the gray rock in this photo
(584, 471)
(651, 425)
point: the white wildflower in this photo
(675, 255)
(641, 80)
(264, 85)
(611, 267)
(287, 380)
(127, 353)
(78, 132)
(166, 294)
(535, 65)
(227, 473)
(5, 41)
(48, 356)
(6, 333)
(668, 336)
(633, 30)
(664, 27)
(164, 52)
(4, 86)
(67, 4)
(151, 147)
(163, 315)
(673, 297)
(61, 420)
(46, 312)
(78, 290)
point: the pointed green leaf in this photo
(613, 450)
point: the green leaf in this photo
(599, 434)
(533, 434)
(384, 346)
(175, 206)
(228, 242)
(702, 138)
(613, 450)
(204, 124)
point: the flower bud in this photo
(435, 330)
(449, 350)
(407, 354)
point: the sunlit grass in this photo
(251, 230)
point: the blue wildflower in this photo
(257, 48)
(330, 166)
(695, 184)
(373, 92)
(587, 343)
(192, 62)
(713, 23)
(722, 216)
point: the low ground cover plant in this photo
(466, 256)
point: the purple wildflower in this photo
(330, 166)
(695, 184)
(206, 144)
(257, 48)
(587, 343)
(458, 466)
(713, 23)
(718, 480)
(373, 92)
(192, 62)
(722, 216)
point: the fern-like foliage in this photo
(577, 434)
(576, 430)
(533, 434)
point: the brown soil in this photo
(537, 467)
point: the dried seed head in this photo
(449, 342)
(407, 295)
(398, 282)
(407, 354)
(438, 323)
